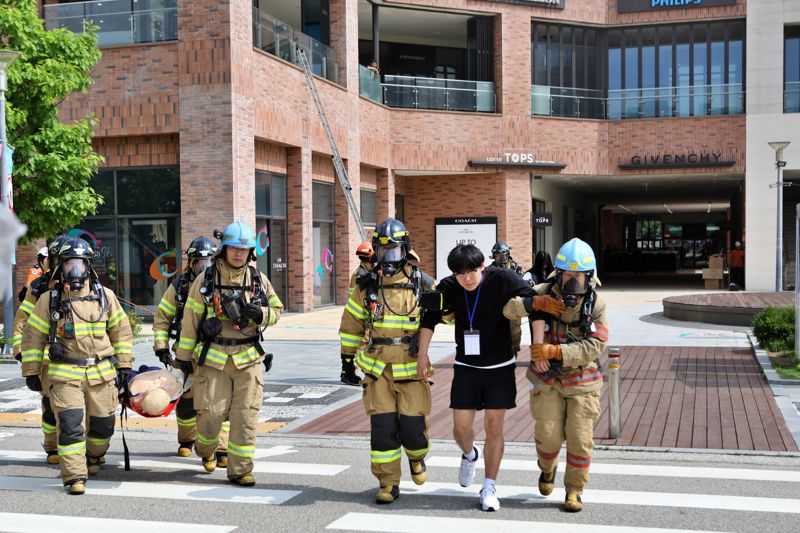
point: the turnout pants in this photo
(516, 334)
(76, 402)
(234, 394)
(397, 411)
(559, 418)
(186, 417)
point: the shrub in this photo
(135, 321)
(774, 328)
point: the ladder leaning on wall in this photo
(338, 164)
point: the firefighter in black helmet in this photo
(501, 255)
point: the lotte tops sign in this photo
(633, 6)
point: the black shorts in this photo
(476, 388)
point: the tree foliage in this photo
(53, 161)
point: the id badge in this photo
(472, 342)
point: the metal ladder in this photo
(338, 164)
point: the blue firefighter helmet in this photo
(239, 235)
(576, 256)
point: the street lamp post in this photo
(779, 146)
(6, 58)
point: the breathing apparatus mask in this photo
(199, 265)
(573, 286)
(390, 258)
(233, 307)
(501, 258)
(75, 272)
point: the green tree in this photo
(53, 161)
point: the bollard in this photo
(613, 392)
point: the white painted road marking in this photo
(40, 523)
(207, 492)
(618, 497)
(425, 524)
(644, 470)
(182, 463)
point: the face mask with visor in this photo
(75, 272)
(574, 287)
(390, 257)
(199, 265)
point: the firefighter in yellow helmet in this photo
(89, 335)
(565, 400)
(380, 328)
(167, 325)
(227, 310)
(31, 295)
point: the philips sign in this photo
(632, 6)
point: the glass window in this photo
(102, 235)
(614, 60)
(400, 207)
(263, 189)
(278, 196)
(145, 264)
(322, 201)
(369, 208)
(683, 67)
(553, 56)
(148, 191)
(540, 54)
(649, 94)
(717, 69)
(631, 93)
(566, 56)
(700, 51)
(273, 253)
(665, 82)
(103, 184)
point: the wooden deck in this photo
(684, 397)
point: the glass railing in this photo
(791, 97)
(118, 22)
(369, 84)
(567, 102)
(436, 93)
(694, 101)
(281, 40)
(699, 100)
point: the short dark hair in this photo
(463, 258)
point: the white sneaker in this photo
(489, 501)
(466, 473)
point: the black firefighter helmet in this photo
(391, 243)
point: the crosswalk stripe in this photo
(643, 470)
(40, 523)
(424, 524)
(618, 497)
(182, 463)
(208, 492)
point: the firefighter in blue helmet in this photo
(227, 311)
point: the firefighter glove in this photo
(348, 375)
(253, 312)
(545, 352)
(34, 383)
(185, 367)
(165, 357)
(545, 304)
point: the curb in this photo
(778, 385)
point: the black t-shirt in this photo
(499, 285)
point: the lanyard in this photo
(471, 314)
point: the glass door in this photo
(272, 254)
(148, 258)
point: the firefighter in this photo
(501, 255)
(167, 325)
(39, 268)
(90, 343)
(228, 308)
(38, 287)
(564, 371)
(380, 326)
(366, 257)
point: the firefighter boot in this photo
(185, 449)
(418, 471)
(247, 480)
(573, 503)
(547, 482)
(210, 463)
(76, 486)
(93, 464)
(52, 458)
(387, 494)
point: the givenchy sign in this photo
(693, 159)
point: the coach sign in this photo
(480, 231)
(633, 6)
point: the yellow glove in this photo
(545, 352)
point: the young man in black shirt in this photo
(480, 301)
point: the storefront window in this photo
(272, 230)
(136, 233)
(323, 220)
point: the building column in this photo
(514, 215)
(348, 236)
(300, 229)
(385, 194)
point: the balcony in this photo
(412, 92)
(662, 102)
(567, 102)
(791, 97)
(280, 39)
(118, 22)
(370, 84)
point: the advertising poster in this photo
(480, 231)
